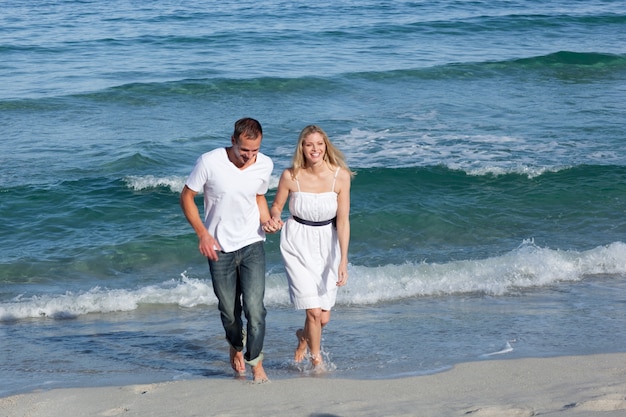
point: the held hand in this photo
(272, 225)
(208, 247)
(277, 223)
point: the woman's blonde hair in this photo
(333, 156)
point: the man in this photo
(234, 181)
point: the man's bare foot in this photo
(237, 362)
(302, 347)
(258, 374)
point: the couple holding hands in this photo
(314, 239)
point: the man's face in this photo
(245, 150)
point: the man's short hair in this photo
(248, 127)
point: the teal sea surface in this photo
(488, 213)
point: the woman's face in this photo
(314, 148)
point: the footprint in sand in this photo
(143, 389)
(136, 389)
(610, 402)
(114, 412)
(500, 412)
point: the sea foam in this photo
(526, 267)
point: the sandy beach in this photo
(564, 386)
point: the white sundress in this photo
(311, 253)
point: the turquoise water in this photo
(488, 210)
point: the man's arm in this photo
(264, 210)
(206, 243)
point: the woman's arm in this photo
(275, 222)
(282, 193)
(343, 223)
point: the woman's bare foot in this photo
(302, 346)
(237, 362)
(258, 374)
(316, 360)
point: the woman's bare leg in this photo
(301, 349)
(325, 317)
(313, 334)
(310, 336)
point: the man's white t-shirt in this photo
(231, 213)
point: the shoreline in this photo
(593, 385)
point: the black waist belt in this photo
(312, 223)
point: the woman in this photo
(314, 240)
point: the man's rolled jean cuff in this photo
(255, 361)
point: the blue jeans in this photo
(239, 284)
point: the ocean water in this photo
(488, 211)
